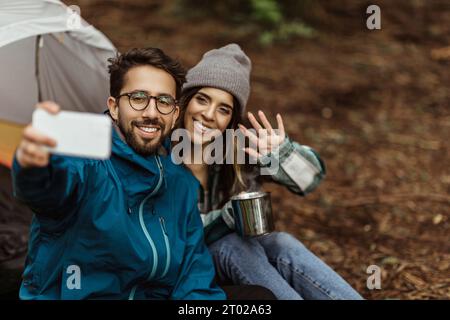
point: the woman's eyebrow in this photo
(226, 105)
(204, 95)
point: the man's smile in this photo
(148, 131)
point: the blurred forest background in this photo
(374, 104)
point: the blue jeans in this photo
(280, 263)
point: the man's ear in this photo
(113, 108)
(176, 114)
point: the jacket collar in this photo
(139, 175)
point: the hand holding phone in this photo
(33, 148)
(68, 133)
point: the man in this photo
(127, 227)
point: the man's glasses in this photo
(139, 100)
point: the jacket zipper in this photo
(166, 240)
(144, 229)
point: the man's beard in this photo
(146, 148)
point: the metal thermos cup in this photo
(253, 214)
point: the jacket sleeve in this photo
(196, 279)
(218, 223)
(49, 191)
(295, 166)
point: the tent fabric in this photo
(72, 62)
(20, 19)
(10, 135)
(81, 87)
(16, 60)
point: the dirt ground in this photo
(374, 104)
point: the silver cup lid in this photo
(249, 195)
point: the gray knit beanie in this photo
(227, 68)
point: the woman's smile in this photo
(199, 127)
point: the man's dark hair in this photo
(155, 57)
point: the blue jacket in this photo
(124, 228)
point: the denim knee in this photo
(282, 245)
(232, 244)
(235, 257)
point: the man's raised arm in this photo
(43, 184)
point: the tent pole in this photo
(37, 52)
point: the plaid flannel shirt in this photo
(298, 167)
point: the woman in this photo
(213, 100)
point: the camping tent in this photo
(47, 52)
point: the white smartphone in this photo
(80, 134)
